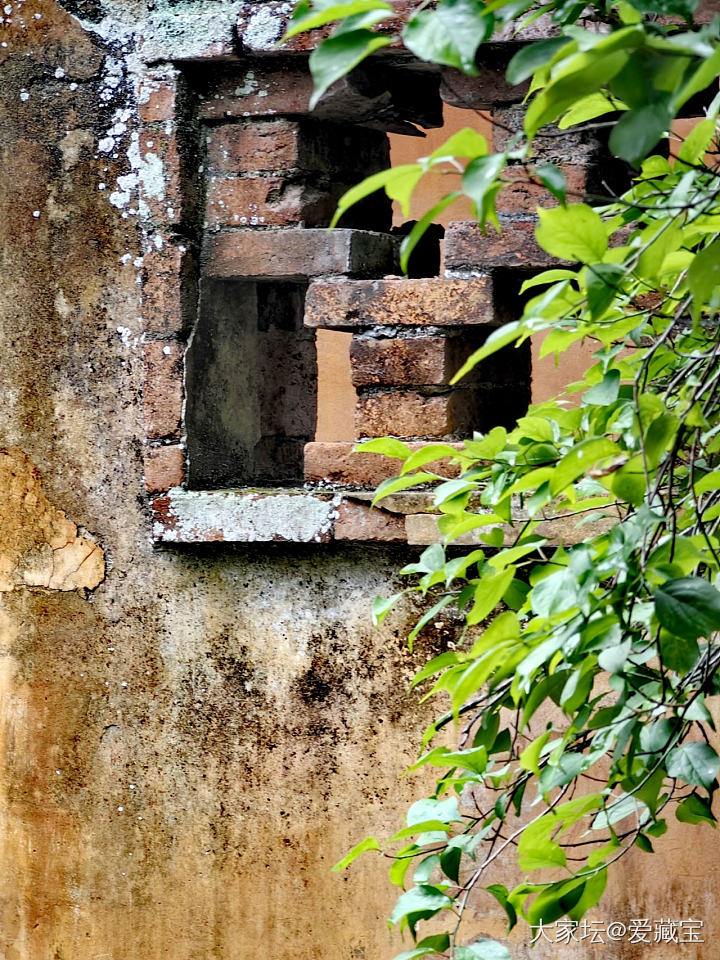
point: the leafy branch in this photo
(588, 609)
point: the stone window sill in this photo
(300, 515)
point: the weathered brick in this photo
(540, 29)
(167, 193)
(164, 468)
(355, 521)
(270, 201)
(256, 90)
(468, 249)
(382, 99)
(269, 146)
(521, 195)
(162, 389)
(368, 303)
(410, 414)
(297, 254)
(489, 89)
(550, 143)
(336, 463)
(169, 290)
(157, 100)
(413, 361)
(262, 146)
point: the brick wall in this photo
(240, 273)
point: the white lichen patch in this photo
(265, 27)
(245, 517)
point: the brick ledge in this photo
(298, 515)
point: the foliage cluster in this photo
(590, 607)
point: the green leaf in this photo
(430, 808)
(614, 658)
(579, 460)
(450, 34)
(603, 286)
(498, 339)
(382, 606)
(688, 607)
(427, 617)
(337, 55)
(396, 484)
(500, 892)
(450, 863)
(695, 763)
(398, 183)
(488, 594)
(605, 392)
(537, 850)
(581, 75)
(588, 108)
(426, 826)
(323, 13)
(698, 141)
(387, 446)
(436, 944)
(401, 865)
(706, 483)
(678, 653)
(369, 843)
(480, 180)
(424, 900)
(575, 233)
(483, 950)
(637, 132)
(704, 276)
(527, 60)
(466, 143)
(553, 178)
(418, 231)
(695, 809)
(547, 276)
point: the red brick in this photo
(157, 100)
(169, 290)
(410, 414)
(523, 196)
(272, 146)
(174, 202)
(164, 468)
(383, 100)
(268, 201)
(261, 146)
(258, 90)
(358, 522)
(297, 254)
(336, 463)
(368, 303)
(413, 361)
(488, 89)
(162, 389)
(467, 248)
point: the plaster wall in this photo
(189, 737)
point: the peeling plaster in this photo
(40, 547)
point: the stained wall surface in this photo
(188, 737)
